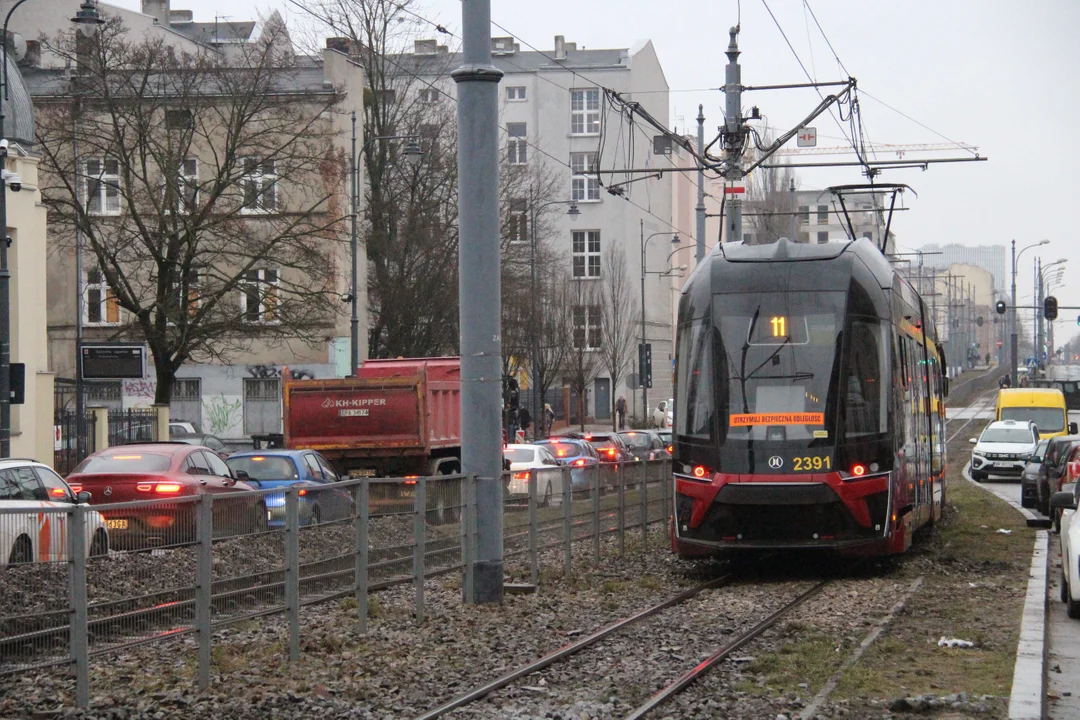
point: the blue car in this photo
(579, 455)
(319, 503)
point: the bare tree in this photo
(618, 333)
(209, 197)
(769, 197)
(584, 303)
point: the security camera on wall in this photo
(13, 181)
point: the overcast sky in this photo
(989, 73)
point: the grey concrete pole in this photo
(641, 348)
(733, 122)
(700, 209)
(5, 314)
(794, 214)
(1012, 322)
(354, 322)
(480, 305)
(81, 444)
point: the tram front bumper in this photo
(818, 510)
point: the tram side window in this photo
(695, 411)
(867, 394)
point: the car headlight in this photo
(979, 454)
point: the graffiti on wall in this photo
(222, 414)
(273, 371)
(138, 394)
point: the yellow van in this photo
(1043, 406)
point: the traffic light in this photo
(645, 364)
(1000, 307)
(1050, 307)
(979, 321)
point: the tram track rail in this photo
(669, 691)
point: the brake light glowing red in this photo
(301, 492)
(144, 487)
(167, 488)
(671, 448)
(76, 489)
(580, 462)
(700, 471)
(57, 492)
(611, 452)
(521, 475)
(858, 470)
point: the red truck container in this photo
(398, 417)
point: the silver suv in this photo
(1003, 449)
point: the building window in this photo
(516, 94)
(260, 185)
(192, 284)
(178, 120)
(586, 254)
(187, 188)
(385, 98)
(804, 213)
(804, 237)
(101, 306)
(587, 334)
(823, 214)
(583, 186)
(516, 145)
(259, 297)
(517, 222)
(429, 95)
(262, 405)
(823, 236)
(102, 186)
(585, 112)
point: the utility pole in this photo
(733, 130)
(794, 214)
(700, 254)
(1012, 321)
(478, 280)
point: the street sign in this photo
(735, 190)
(999, 343)
(113, 361)
(808, 137)
(645, 364)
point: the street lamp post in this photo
(413, 154)
(641, 347)
(87, 21)
(1042, 282)
(534, 351)
(1012, 314)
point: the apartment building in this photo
(231, 389)
(554, 111)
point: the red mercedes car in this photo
(166, 471)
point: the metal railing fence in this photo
(82, 581)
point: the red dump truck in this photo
(397, 418)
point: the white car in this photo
(525, 458)
(1003, 449)
(1069, 537)
(34, 536)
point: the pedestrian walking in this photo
(620, 412)
(525, 418)
(659, 415)
(549, 418)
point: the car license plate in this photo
(119, 524)
(362, 472)
(1003, 464)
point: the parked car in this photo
(525, 459)
(1003, 449)
(665, 437)
(204, 439)
(645, 444)
(318, 503)
(42, 537)
(578, 454)
(177, 427)
(159, 471)
(1052, 469)
(1029, 478)
(1066, 501)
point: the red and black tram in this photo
(809, 402)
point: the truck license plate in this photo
(119, 524)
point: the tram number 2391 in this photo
(811, 463)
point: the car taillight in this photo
(671, 448)
(57, 492)
(411, 479)
(167, 488)
(611, 452)
(76, 488)
(521, 475)
(580, 462)
(301, 492)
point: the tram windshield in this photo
(774, 359)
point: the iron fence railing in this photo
(191, 565)
(71, 444)
(132, 426)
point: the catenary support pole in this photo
(700, 209)
(1012, 322)
(354, 321)
(644, 340)
(479, 291)
(732, 131)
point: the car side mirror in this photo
(242, 476)
(1072, 428)
(1062, 501)
(973, 441)
(83, 497)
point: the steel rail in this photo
(691, 676)
(570, 649)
